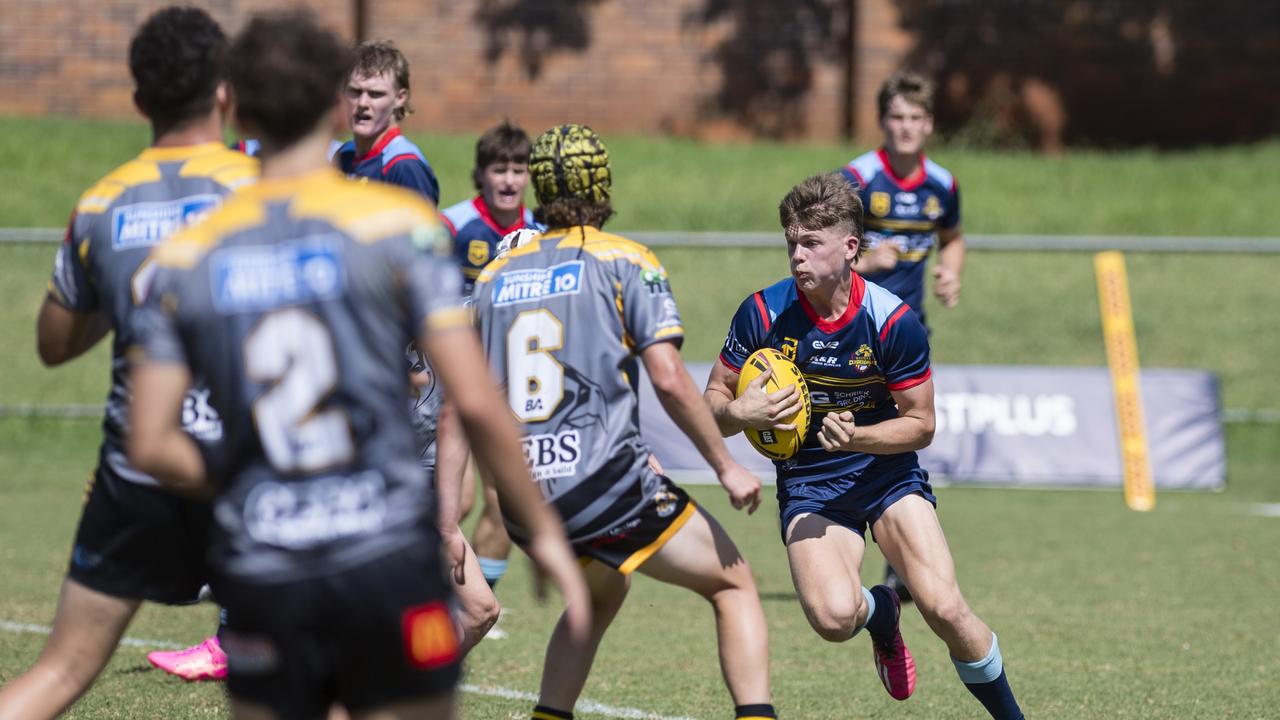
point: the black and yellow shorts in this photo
(627, 545)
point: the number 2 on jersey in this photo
(292, 351)
(535, 379)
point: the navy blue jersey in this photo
(905, 212)
(393, 159)
(476, 235)
(852, 363)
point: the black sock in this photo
(758, 710)
(883, 621)
(542, 712)
(997, 698)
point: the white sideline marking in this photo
(1266, 509)
(583, 706)
(130, 641)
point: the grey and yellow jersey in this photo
(101, 266)
(296, 302)
(563, 318)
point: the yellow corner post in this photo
(1122, 359)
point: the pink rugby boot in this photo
(205, 661)
(894, 664)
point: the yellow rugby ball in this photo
(777, 444)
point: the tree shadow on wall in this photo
(539, 28)
(1098, 72)
(767, 58)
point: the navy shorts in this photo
(373, 635)
(140, 542)
(850, 503)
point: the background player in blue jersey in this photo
(296, 300)
(865, 359)
(134, 541)
(910, 203)
(378, 97)
(501, 174)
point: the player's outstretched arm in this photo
(157, 445)
(755, 408)
(457, 358)
(910, 431)
(679, 397)
(63, 334)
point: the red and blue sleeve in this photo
(905, 349)
(747, 331)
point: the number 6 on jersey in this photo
(535, 379)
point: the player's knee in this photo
(834, 623)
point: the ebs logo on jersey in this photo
(147, 223)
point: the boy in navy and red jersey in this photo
(911, 203)
(865, 358)
(501, 175)
(378, 96)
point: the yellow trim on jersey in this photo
(605, 246)
(449, 318)
(367, 212)
(842, 382)
(104, 192)
(638, 557)
(224, 166)
(186, 247)
(881, 224)
(668, 332)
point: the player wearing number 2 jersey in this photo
(134, 541)
(565, 317)
(296, 301)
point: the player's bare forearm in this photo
(451, 464)
(679, 397)
(63, 334)
(911, 430)
(950, 266)
(718, 397)
(157, 445)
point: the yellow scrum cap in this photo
(570, 161)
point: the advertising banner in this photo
(1025, 426)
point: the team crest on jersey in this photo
(535, 284)
(261, 277)
(788, 348)
(477, 252)
(879, 204)
(863, 359)
(932, 208)
(147, 223)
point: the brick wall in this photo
(1049, 72)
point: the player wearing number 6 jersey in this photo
(134, 541)
(296, 301)
(565, 317)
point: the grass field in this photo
(1102, 613)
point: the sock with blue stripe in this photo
(986, 681)
(542, 712)
(758, 711)
(222, 623)
(493, 569)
